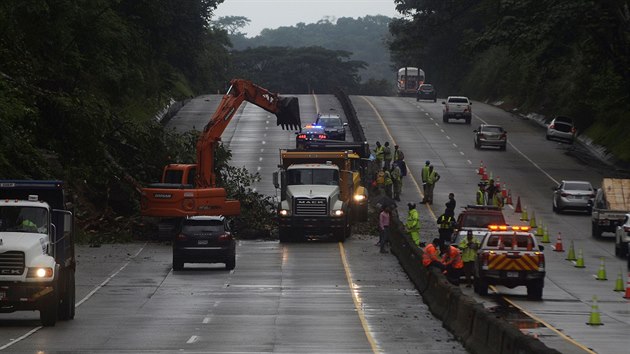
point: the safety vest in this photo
(429, 254)
(388, 178)
(27, 224)
(433, 177)
(387, 153)
(469, 253)
(453, 258)
(380, 178)
(445, 222)
(396, 175)
(413, 221)
(425, 173)
(398, 155)
(379, 151)
(481, 197)
(497, 200)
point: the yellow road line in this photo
(357, 302)
(391, 138)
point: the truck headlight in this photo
(39, 272)
(283, 212)
(337, 212)
(359, 197)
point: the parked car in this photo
(575, 195)
(561, 128)
(204, 239)
(426, 92)
(457, 107)
(490, 135)
(334, 127)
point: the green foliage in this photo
(364, 37)
(566, 57)
(298, 70)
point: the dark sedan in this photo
(204, 239)
(426, 92)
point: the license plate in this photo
(512, 274)
(202, 242)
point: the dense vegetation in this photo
(81, 82)
(360, 40)
(569, 57)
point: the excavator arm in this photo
(170, 200)
(286, 110)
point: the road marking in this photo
(358, 304)
(525, 156)
(192, 339)
(461, 153)
(455, 145)
(442, 131)
(260, 159)
(206, 320)
(469, 162)
(448, 137)
(89, 295)
(558, 332)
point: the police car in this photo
(309, 132)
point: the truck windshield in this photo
(313, 176)
(23, 219)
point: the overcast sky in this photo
(278, 13)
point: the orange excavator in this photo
(190, 189)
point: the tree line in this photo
(560, 57)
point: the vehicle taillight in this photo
(484, 260)
(181, 237)
(225, 237)
(541, 260)
(302, 136)
(552, 126)
(446, 108)
(321, 136)
(467, 109)
(504, 136)
(564, 194)
(573, 131)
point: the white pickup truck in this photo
(457, 107)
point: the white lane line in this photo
(260, 159)
(262, 150)
(263, 142)
(192, 340)
(206, 320)
(469, 162)
(461, 153)
(442, 131)
(258, 168)
(89, 295)
(455, 145)
(437, 125)
(448, 137)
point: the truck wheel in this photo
(535, 290)
(596, 231)
(49, 309)
(481, 286)
(66, 305)
(621, 249)
(468, 121)
(178, 264)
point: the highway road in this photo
(339, 298)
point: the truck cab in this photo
(37, 262)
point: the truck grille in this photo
(311, 206)
(12, 263)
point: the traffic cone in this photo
(571, 255)
(539, 230)
(532, 220)
(518, 205)
(484, 176)
(524, 215)
(509, 197)
(619, 282)
(504, 191)
(481, 169)
(545, 238)
(579, 263)
(559, 247)
(594, 319)
(627, 295)
(601, 273)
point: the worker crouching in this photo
(431, 255)
(452, 262)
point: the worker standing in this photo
(469, 247)
(398, 154)
(432, 179)
(383, 223)
(430, 255)
(481, 195)
(425, 177)
(399, 158)
(451, 203)
(387, 156)
(446, 224)
(396, 180)
(412, 225)
(380, 181)
(491, 191)
(388, 182)
(453, 265)
(378, 154)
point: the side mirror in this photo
(541, 247)
(470, 103)
(275, 180)
(443, 102)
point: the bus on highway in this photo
(408, 80)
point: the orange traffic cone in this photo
(627, 295)
(484, 176)
(518, 205)
(504, 191)
(558, 247)
(481, 169)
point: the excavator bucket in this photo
(289, 113)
